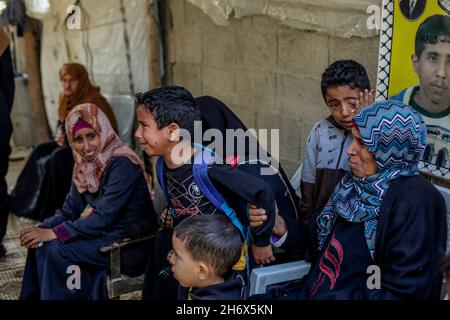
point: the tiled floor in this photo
(11, 266)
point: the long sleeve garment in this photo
(122, 205)
(410, 242)
(238, 188)
(122, 208)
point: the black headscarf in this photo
(215, 114)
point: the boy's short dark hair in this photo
(212, 239)
(431, 30)
(171, 105)
(342, 73)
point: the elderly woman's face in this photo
(361, 161)
(87, 143)
(69, 85)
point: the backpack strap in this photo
(200, 170)
(160, 172)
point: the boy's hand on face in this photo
(263, 255)
(366, 98)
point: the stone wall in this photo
(269, 74)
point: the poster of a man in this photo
(418, 75)
(431, 97)
(431, 64)
(412, 9)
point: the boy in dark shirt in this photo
(205, 248)
(165, 115)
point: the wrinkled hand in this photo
(90, 212)
(366, 98)
(60, 137)
(257, 216)
(263, 255)
(31, 237)
(279, 227)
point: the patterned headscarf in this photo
(87, 174)
(395, 135)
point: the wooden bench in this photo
(118, 283)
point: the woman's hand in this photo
(279, 227)
(31, 237)
(258, 216)
(60, 137)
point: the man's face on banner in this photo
(433, 69)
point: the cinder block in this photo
(363, 50)
(189, 76)
(305, 130)
(300, 97)
(195, 17)
(289, 167)
(177, 15)
(302, 52)
(188, 40)
(289, 133)
(256, 51)
(188, 46)
(219, 83)
(290, 138)
(219, 46)
(247, 115)
(256, 89)
(259, 23)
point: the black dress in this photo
(44, 182)
(6, 102)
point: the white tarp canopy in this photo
(99, 44)
(344, 18)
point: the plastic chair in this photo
(124, 109)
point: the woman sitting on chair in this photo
(107, 176)
(45, 181)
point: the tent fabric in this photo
(99, 44)
(344, 18)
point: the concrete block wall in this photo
(269, 74)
